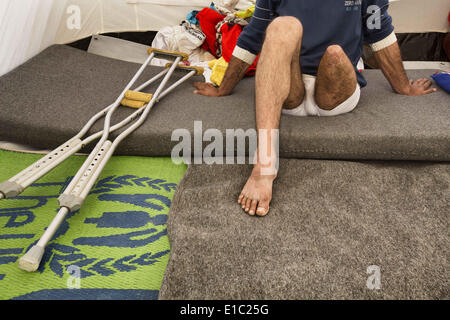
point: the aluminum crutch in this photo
(80, 186)
(17, 184)
(75, 194)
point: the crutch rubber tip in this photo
(31, 260)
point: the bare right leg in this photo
(274, 80)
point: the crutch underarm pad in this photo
(165, 54)
(199, 70)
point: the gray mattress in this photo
(329, 221)
(48, 99)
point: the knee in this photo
(285, 29)
(335, 53)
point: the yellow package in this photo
(218, 67)
(246, 14)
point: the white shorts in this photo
(309, 106)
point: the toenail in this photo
(261, 211)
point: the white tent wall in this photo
(26, 28)
(103, 16)
(29, 26)
(416, 16)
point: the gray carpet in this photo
(329, 221)
(48, 99)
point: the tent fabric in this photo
(416, 16)
(47, 101)
(27, 27)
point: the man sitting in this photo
(309, 52)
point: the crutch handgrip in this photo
(199, 70)
(136, 99)
(138, 96)
(132, 103)
(164, 54)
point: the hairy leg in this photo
(297, 90)
(273, 87)
(336, 79)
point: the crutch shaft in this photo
(92, 171)
(32, 258)
(53, 227)
(73, 189)
(176, 84)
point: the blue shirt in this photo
(325, 22)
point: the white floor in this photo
(118, 49)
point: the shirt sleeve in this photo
(377, 24)
(251, 39)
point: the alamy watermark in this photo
(74, 20)
(374, 280)
(74, 279)
(236, 146)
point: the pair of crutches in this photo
(76, 192)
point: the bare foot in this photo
(257, 193)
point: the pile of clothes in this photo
(209, 37)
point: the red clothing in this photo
(209, 19)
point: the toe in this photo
(253, 206)
(241, 196)
(248, 204)
(263, 208)
(243, 202)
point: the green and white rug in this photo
(115, 247)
